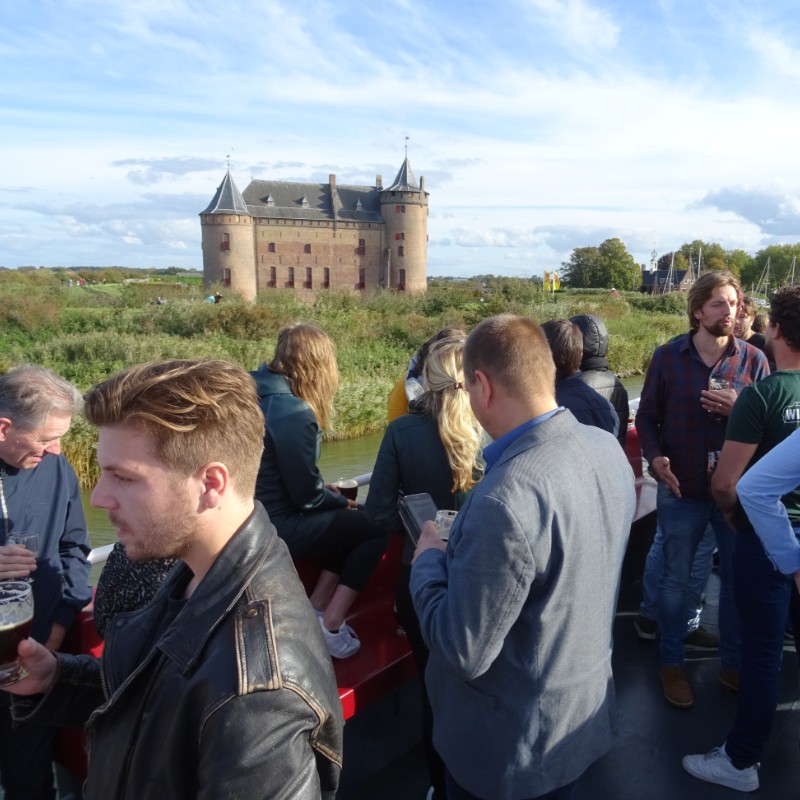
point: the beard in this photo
(154, 534)
(720, 329)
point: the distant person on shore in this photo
(520, 682)
(296, 392)
(595, 371)
(222, 687)
(39, 493)
(588, 406)
(410, 388)
(433, 449)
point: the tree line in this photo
(611, 265)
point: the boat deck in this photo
(652, 736)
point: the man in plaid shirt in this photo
(691, 384)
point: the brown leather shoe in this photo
(729, 679)
(676, 688)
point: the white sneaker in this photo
(716, 767)
(342, 644)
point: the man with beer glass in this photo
(39, 501)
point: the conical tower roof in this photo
(228, 199)
(405, 180)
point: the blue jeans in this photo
(654, 569)
(456, 792)
(762, 599)
(684, 522)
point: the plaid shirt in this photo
(670, 420)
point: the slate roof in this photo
(307, 201)
(405, 180)
(659, 277)
(312, 201)
(227, 200)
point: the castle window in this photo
(309, 284)
(362, 242)
(362, 278)
(226, 242)
(306, 248)
(270, 200)
(401, 283)
(400, 250)
(273, 277)
(271, 247)
(290, 282)
(402, 236)
(402, 209)
(397, 209)
(326, 277)
(359, 207)
(362, 247)
(304, 202)
(226, 278)
(397, 237)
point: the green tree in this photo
(780, 263)
(606, 266)
(680, 263)
(739, 262)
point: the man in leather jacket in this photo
(222, 686)
(595, 370)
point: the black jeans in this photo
(26, 758)
(407, 617)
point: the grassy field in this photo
(87, 333)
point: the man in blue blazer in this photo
(518, 608)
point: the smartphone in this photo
(415, 510)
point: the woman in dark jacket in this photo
(434, 449)
(296, 391)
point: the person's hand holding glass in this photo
(18, 555)
(16, 618)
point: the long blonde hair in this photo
(448, 403)
(306, 356)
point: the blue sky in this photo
(539, 125)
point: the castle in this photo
(309, 237)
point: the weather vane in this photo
(407, 138)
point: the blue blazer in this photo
(518, 613)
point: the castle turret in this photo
(404, 207)
(228, 248)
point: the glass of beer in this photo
(16, 618)
(348, 487)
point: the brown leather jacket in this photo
(236, 698)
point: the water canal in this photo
(345, 458)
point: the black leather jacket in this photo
(289, 482)
(595, 371)
(237, 699)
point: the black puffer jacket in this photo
(595, 370)
(235, 698)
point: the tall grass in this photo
(89, 333)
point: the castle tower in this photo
(404, 207)
(227, 235)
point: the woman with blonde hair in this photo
(296, 391)
(434, 449)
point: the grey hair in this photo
(28, 394)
